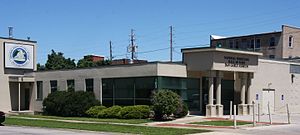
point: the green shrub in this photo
(62, 103)
(135, 112)
(111, 112)
(165, 103)
(94, 111)
(181, 111)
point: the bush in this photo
(111, 112)
(62, 103)
(181, 111)
(165, 103)
(94, 111)
(135, 112)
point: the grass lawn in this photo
(102, 127)
(220, 123)
(129, 121)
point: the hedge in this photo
(127, 112)
(62, 103)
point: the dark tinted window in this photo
(89, 85)
(71, 85)
(53, 85)
(39, 92)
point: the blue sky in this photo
(81, 27)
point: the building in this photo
(207, 79)
(17, 64)
(273, 45)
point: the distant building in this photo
(94, 58)
(273, 45)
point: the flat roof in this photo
(120, 65)
(23, 40)
(250, 35)
(212, 49)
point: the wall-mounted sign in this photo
(19, 56)
(231, 61)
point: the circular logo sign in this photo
(19, 56)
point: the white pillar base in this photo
(243, 109)
(219, 110)
(211, 111)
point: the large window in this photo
(124, 91)
(39, 90)
(272, 41)
(89, 85)
(53, 85)
(257, 45)
(138, 90)
(71, 85)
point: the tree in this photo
(165, 103)
(40, 67)
(58, 61)
(87, 61)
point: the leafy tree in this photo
(87, 61)
(165, 103)
(56, 60)
(40, 67)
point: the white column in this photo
(211, 90)
(218, 92)
(248, 88)
(243, 89)
(19, 95)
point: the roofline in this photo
(110, 66)
(210, 49)
(294, 27)
(258, 34)
(23, 40)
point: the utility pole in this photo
(110, 51)
(132, 47)
(171, 43)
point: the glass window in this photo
(124, 91)
(39, 90)
(71, 85)
(143, 90)
(257, 45)
(236, 44)
(290, 41)
(107, 92)
(230, 44)
(53, 85)
(272, 56)
(272, 41)
(252, 44)
(89, 85)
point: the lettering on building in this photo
(231, 61)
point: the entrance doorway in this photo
(227, 88)
(268, 98)
(26, 99)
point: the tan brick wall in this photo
(293, 51)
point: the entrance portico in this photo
(213, 63)
(21, 93)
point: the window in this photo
(89, 85)
(70, 85)
(291, 41)
(39, 90)
(257, 45)
(272, 56)
(230, 44)
(236, 44)
(272, 41)
(252, 44)
(53, 85)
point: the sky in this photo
(83, 27)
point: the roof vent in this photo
(10, 32)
